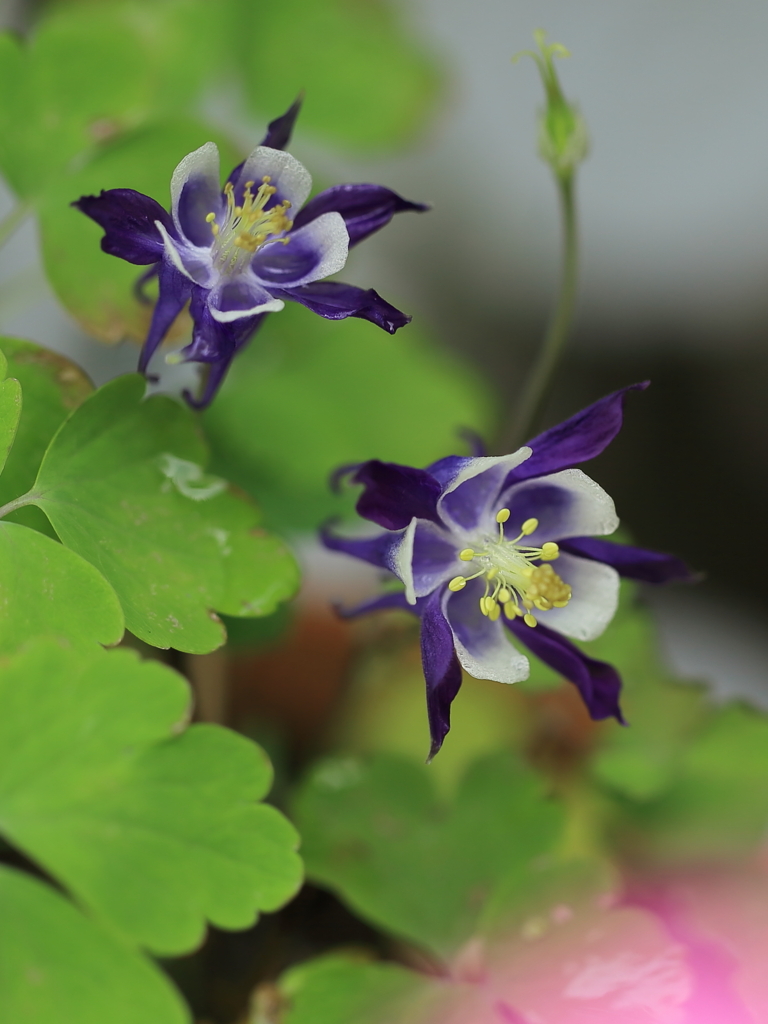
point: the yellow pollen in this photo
(467, 555)
(529, 620)
(246, 227)
(502, 515)
(457, 583)
(494, 612)
(550, 551)
(511, 610)
(529, 526)
(504, 595)
(547, 586)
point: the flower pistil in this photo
(513, 580)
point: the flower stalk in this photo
(563, 144)
(540, 380)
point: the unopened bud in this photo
(563, 139)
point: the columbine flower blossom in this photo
(494, 550)
(237, 254)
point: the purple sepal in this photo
(394, 494)
(213, 381)
(336, 301)
(174, 293)
(215, 343)
(634, 563)
(365, 208)
(477, 445)
(128, 219)
(280, 130)
(375, 550)
(278, 134)
(598, 682)
(377, 604)
(442, 670)
(576, 440)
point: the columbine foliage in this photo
(123, 484)
(154, 828)
(491, 870)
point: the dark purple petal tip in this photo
(375, 550)
(128, 219)
(442, 670)
(393, 495)
(578, 439)
(365, 208)
(633, 563)
(280, 130)
(598, 682)
(386, 602)
(335, 301)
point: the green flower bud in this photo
(563, 139)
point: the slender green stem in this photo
(10, 222)
(537, 388)
(25, 499)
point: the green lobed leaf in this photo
(310, 395)
(367, 83)
(377, 834)
(338, 989)
(97, 288)
(48, 590)
(56, 965)
(123, 485)
(52, 388)
(154, 829)
(90, 72)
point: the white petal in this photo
(228, 316)
(315, 251)
(199, 172)
(291, 178)
(238, 297)
(434, 558)
(190, 260)
(402, 560)
(571, 505)
(595, 587)
(483, 647)
(471, 498)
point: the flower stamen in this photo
(515, 579)
(245, 228)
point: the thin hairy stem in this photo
(537, 388)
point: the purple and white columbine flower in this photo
(497, 550)
(237, 254)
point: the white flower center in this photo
(246, 228)
(512, 580)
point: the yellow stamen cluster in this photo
(245, 228)
(513, 580)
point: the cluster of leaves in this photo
(123, 829)
(154, 828)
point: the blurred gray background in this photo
(674, 211)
